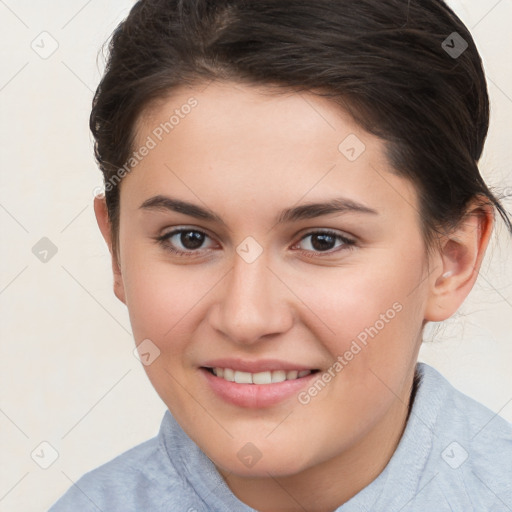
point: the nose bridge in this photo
(252, 303)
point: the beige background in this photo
(67, 372)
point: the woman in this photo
(292, 193)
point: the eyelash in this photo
(348, 243)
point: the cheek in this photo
(164, 302)
(351, 300)
(161, 297)
(375, 311)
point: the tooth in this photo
(258, 378)
(262, 378)
(278, 376)
(243, 377)
(229, 374)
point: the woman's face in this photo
(264, 284)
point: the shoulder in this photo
(142, 478)
(471, 446)
(462, 417)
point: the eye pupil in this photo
(192, 239)
(326, 241)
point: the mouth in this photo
(259, 378)
(256, 390)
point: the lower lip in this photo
(256, 395)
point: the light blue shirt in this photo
(455, 455)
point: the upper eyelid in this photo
(176, 231)
(302, 236)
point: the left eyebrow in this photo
(312, 210)
(297, 213)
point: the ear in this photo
(100, 209)
(458, 262)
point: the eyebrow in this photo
(297, 213)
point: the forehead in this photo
(225, 139)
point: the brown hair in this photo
(407, 71)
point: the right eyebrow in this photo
(164, 203)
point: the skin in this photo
(247, 153)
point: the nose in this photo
(254, 303)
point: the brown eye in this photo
(325, 242)
(191, 239)
(184, 241)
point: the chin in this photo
(252, 463)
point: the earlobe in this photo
(101, 212)
(459, 259)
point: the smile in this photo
(266, 377)
(261, 389)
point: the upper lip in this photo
(261, 365)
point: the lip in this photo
(255, 396)
(262, 365)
